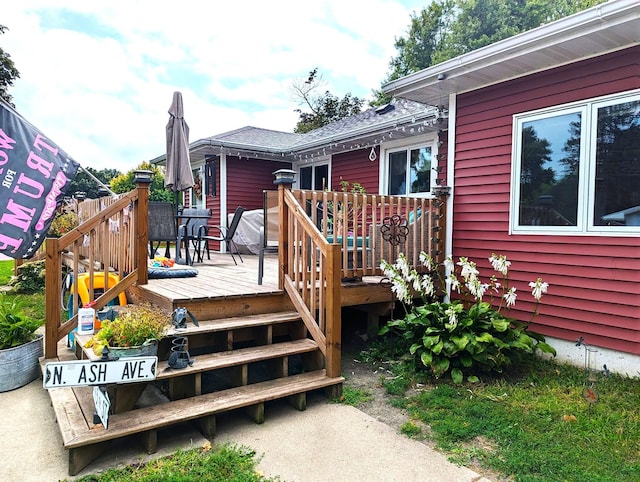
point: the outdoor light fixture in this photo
(142, 175)
(442, 76)
(284, 176)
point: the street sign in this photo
(81, 373)
(102, 403)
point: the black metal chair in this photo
(193, 221)
(162, 226)
(224, 235)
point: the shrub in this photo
(30, 278)
(461, 336)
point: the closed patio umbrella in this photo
(178, 176)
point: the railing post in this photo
(284, 180)
(441, 193)
(52, 288)
(334, 310)
(143, 179)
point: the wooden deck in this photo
(219, 279)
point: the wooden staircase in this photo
(238, 362)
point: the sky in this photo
(97, 77)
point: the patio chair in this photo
(162, 226)
(225, 235)
(268, 230)
(193, 221)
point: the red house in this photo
(538, 137)
(544, 165)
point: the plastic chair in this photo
(225, 235)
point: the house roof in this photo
(605, 28)
(401, 118)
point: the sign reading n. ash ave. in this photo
(84, 372)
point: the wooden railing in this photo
(112, 238)
(310, 274)
(370, 228)
(327, 237)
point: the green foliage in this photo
(464, 336)
(84, 183)
(30, 278)
(353, 396)
(448, 28)
(157, 192)
(6, 271)
(8, 73)
(132, 327)
(325, 108)
(224, 462)
(62, 223)
(536, 426)
(410, 429)
(15, 328)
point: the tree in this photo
(449, 28)
(84, 183)
(157, 192)
(325, 108)
(8, 73)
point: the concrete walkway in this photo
(327, 442)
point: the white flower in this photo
(448, 264)
(427, 285)
(468, 271)
(452, 283)
(451, 313)
(510, 297)
(427, 261)
(477, 289)
(500, 263)
(538, 288)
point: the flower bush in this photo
(467, 334)
(63, 223)
(133, 327)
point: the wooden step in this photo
(214, 361)
(83, 438)
(235, 323)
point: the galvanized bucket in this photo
(19, 365)
(149, 348)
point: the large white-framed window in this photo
(576, 168)
(409, 169)
(314, 176)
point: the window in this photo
(197, 193)
(409, 171)
(315, 177)
(577, 168)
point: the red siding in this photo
(247, 178)
(355, 166)
(594, 281)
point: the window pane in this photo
(617, 200)
(420, 171)
(398, 173)
(321, 181)
(550, 168)
(305, 177)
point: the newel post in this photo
(284, 179)
(52, 288)
(143, 179)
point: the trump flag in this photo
(34, 176)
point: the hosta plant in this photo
(466, 334)
(15, 328)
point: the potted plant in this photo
(135, 331)
(20, 346)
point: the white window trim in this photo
(586, 181)
(324, 160)
(198, 169)
(407, 144)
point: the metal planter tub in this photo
(19, 365)
(149, 348)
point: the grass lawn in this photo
(532, 424)
(32, 305)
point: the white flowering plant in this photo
(468, 334)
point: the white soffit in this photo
(608, 27)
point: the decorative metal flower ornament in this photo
(394, 229)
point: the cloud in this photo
(98, 77)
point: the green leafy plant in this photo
(15, 328)
(63, 223)
(463, 335)
(30, 278)
(132, 327)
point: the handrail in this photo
(113, 240)
(311, 277)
